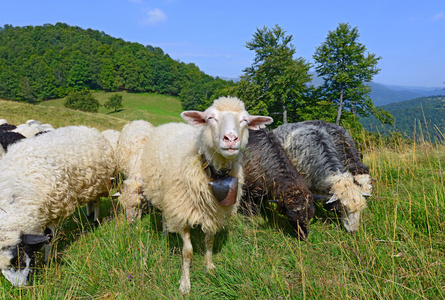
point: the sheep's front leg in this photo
(93, 209)
(209, 239)
(187, 253)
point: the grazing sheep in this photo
(43, 180)
(7, 138)
(348, 153)
(269, 172)
(312, 151)
(194, 173)
(130, 145)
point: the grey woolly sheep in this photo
(312, 151)
(348, 153)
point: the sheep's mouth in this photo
(230, 150)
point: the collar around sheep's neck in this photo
(224, 187)
(212, 173)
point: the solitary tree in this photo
(82, 100)
(342, 63)
(276, 80)
(114, 101)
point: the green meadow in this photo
(398, 252)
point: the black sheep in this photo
(7, 127)
(8, 138)
(269, 173)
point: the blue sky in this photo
(409, 35)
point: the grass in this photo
(155, 108)
(398, 252)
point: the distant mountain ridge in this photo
(382, 94)
(420, 116)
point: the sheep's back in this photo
(58, 171)
(312, 152)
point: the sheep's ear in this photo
(257, 122)
(32, 239)
(194, 117)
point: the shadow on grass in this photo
(277, 219)
(197, 235)
(114, 111)
(78, 225)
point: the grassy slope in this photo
(397, 253)
(155, 108)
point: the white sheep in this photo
(32, 127)
(313, 152)
(131, 142)
(180, 163)
(43, 180)
(112, 136)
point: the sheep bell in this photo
(225, 189)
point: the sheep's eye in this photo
(210, 118)
(244, 121)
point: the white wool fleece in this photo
(45, 178)
(177, 183)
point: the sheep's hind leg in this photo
(209, 239)
(187, 253)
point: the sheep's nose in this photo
(230, 138)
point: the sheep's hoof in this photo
(184, 287)
(210, 268)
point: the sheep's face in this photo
(226, 123)
(351, 198)
(365, 183)
(18, 260)
(22, 261)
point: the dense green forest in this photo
(420, 117)
(50, 61)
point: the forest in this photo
(46, 62)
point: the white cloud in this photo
(439, 16)
(155, 17)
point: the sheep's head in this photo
(226, 123)
(17, 257)
(351, 199)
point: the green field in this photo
(398, 252)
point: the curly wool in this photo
(347, 152)
(44, 179)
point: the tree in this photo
(114, 101)
(345, 68)
(82, 100)
(276, 81)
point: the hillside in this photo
(157, 109)
(48, 62)
(421, 116)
